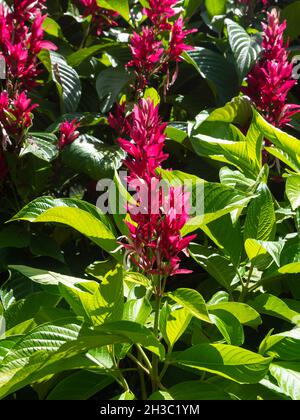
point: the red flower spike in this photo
(154, 243)
(270, 81)
(68, 133)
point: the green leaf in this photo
(76, 58)
(290, 13)
(274, 306)
(261, 220)
(192, 301)
(192, 390)
(87, 222)
(218, 266)
(96, 302)
(67, 82)
(109, 85)
(217, 70)
(243, 312)
(260, 249)
(93, 157)
(51, 27)
(284, 346)
(14, 237)
(287, 375)
(237, 111)
(228, 325)
(41, 145)
(245, 49)
(293, 189)
(79, 386)
(288, 147)
(231, 362)
(215, 7)
(210, 200)
(120, 6)
(176, 324)
(137, 310)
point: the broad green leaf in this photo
(96, 302)
(120, 6)
(284, 346)
(37, 207)
(226, 236)
(257, 249)
(217, 70)
(245, 49)
(287, 147)
(137, 310)
(192, 390)
(236, 179)
(192, 301)
(51, 27)
(210, 200)
(290, 13)
(215, 7)
(81, 220)
(243, 312)
(14, 237)
(93, 157)
(218, 266)
(67, 82)
(79, 386)
(41, 145)
(109, 84)
(293, 190)
(287, 375)
(274, 306)
(52, 348)
(176, 324)
(228, 325)
(237, 111)
(76, 58)
(261, 220)
(231, 362)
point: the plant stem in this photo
(246, 286)
(155, 359)
(140, 365)
(145, 357)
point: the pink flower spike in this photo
(68, 133)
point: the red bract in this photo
(154, 241)
(157, 46)
(178, 35)
(68, 133)
(145, 149)
(15, 115)
(270, 80)
(21, 39)
(119, 121)
(102, 19)
(160, 11)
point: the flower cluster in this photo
(21, 39)
(102, 19)
(15, 117)
(159, 44)
(270, 80)
(154, 243)
(68, 133)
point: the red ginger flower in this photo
(16, 114)
(178, 35)
(270, 80)
(145, 150)
(68, 133)
(154, 241)
(102, 18)
(119, 121)
(160, 11)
